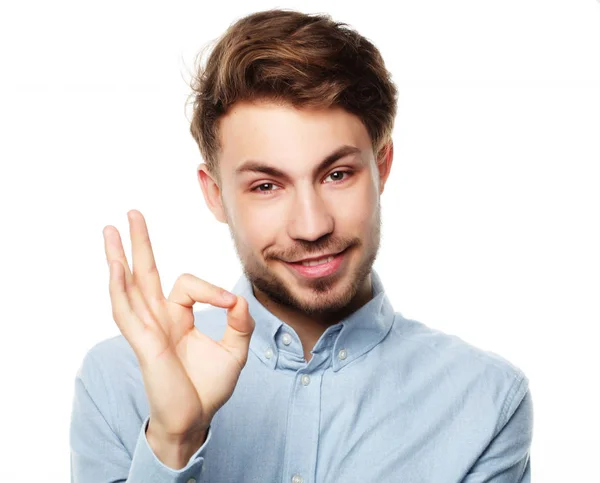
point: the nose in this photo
(309, 217)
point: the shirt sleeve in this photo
(97, 452)
(507, 458)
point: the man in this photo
(303, 372)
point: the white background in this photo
(491, 213)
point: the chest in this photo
(357, 426)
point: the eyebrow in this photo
(260, 167)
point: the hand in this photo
(187, 375)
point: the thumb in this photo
(238, 331)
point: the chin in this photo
(312, 296)
(328, 302)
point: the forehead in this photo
(281, 135)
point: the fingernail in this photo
(229, 297)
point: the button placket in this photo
(303, 427)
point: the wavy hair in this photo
(288, 57)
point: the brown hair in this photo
(285, 56)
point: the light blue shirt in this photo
(383, 399)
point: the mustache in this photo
(306, 249)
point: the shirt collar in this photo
(347, 340)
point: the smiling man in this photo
(303, 372)
(304, 216)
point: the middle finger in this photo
(144, 266)
(113, 247)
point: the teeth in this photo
(312, 263)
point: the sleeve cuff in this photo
(147, 468)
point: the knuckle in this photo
(151, 270)
(146, 272)
(184, 278)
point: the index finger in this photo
(189, 289)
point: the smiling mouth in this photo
(319, 261)
(321, 267)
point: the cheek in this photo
(355, 210)
(257, 224)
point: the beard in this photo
(323, 297)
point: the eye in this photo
(341, 175)
(264, 188)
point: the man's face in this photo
(283, 204)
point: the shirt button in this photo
(297, 479)
(342, 354)
(306, 379)
(269, 353)
(286, 338)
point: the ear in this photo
(384, 163)
(211, 192)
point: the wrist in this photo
(175, 451)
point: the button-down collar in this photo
(346, 341)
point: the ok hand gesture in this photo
(187, 375)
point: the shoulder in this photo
(451, 347)
(114, 355)
(209, 321)
(104, 358)
(462, 368)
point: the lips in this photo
(318, 267)
(319, 258)
(316, 261)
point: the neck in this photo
(310, 327)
